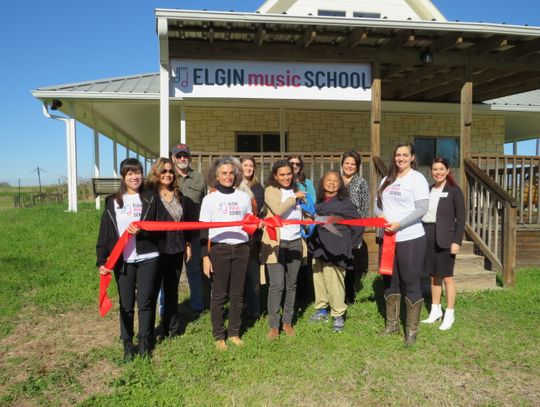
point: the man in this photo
(193, 187)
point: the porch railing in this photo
(491, 220)
(315, 164)
(518, 176)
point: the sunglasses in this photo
(182, 155)
(295, 163)
(165, 171)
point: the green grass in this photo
(490, 357)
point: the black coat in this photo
(326, 246)
(450, 218)
(146, 242)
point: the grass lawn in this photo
(56, 350)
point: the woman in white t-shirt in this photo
(283, 258)
(136, 272)
(402, 199)
(225, 251)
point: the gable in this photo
(390, 9)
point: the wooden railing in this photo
(491, 220)
(315, 164)
(518, 176)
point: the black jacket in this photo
(326, 246)
(147, 242)
(450, 218)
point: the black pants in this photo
(170, 267)
(408, 267)
(138, 281)
(230, 267)
(353, 276)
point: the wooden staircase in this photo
(470, 273)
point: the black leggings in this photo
(408, 267)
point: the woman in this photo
(358, 191)
(173, 249)
(403, 199)
(283, 257)
(333, 254)
(251, 185)
(444, 224)
(136, 273)
(304, 290)
(225, 262)
(303, 183)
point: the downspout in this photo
(71, 156)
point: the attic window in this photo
(330, 13)
(365, 14)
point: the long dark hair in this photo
(301, 177)
(129, 164)
(342, 191)
(449, 178)
(272, 181)
(393, 171)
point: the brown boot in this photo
(393, 304)
(236, 340)
(273, 334)
(413, 320)
(220, 345)
(289, 330)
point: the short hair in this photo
(218, 162)
(355, 156)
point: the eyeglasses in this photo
(182, 155)
(165, 171)
(295, 163)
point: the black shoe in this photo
(146, 345)
(129, 351)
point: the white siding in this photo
(392, 9)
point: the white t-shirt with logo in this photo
(220, 207)
(131, 212)
(398, 202)
(290, 232)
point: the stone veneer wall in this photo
(324, 131)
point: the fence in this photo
(29, 200)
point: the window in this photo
(365, 14)
(259, 142)
(427, 148)
(330, 13)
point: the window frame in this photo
(261, 135)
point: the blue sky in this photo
(49, 43)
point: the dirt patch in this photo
(58, 358)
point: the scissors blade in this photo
(328, 226)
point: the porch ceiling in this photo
(505, 59)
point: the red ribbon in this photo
(250, 224)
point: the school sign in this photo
(270, 80)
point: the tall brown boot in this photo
(393, 304)
(413, 320)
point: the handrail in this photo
(489, 183)
(380, 166)
(491, 220)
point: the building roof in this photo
(505, 59)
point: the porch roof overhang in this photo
(505, 59)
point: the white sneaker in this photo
(448, 320)
(434, 315)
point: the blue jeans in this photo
(193, 271)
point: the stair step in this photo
(482, 280)
(467, 261)
(466, 247)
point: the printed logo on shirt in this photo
(394, 189)
(230, 208)
(131, 210)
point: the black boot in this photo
(146, 345)
(413, 320)
(393, 304)
(129, 351)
